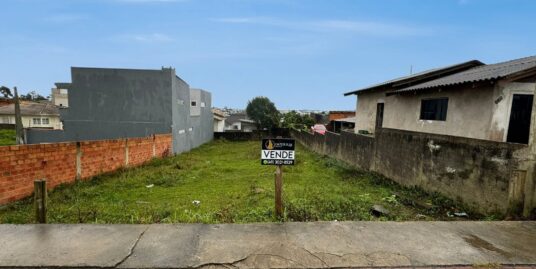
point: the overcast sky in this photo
(301, 54)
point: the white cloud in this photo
(352, 26)
(147, 38)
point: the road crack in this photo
(132, 248)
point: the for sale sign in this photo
(277, 151)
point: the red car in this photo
(319, 128)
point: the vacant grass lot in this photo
(7, 137)
(231, 186)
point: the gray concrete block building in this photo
(106, 103)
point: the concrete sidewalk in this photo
(288, 245)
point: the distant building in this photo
(239, 122)
(219, 120)
(59, 97)
(43, 115)
(108, 103)
(340, 120)
(335, 115)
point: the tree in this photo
(261, 110)
(5, 91)
(294, 120)
(32, 96)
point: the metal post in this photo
(40, 200)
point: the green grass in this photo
(7, 137)
(232, 186)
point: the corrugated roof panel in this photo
(479, 73)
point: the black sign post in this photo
(278, 152)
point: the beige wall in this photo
(366, 110)
(27, 121)
(481, 112)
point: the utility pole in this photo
(18, 120)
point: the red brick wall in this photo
(139, 150)
(21, 165)
(103, 156)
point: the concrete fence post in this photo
(78, 161)
(126, 152)
(154, 146)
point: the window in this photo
(193, 103)
(45, 121)
(5, 120)
(434, 109)
(37, 121)
(202, 104)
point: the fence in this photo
(486, 175)
(65, 162)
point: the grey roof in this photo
(421, 76)
(237, 117)
(480, 73)
(31, 109)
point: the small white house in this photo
(34, 115)
(239, 122)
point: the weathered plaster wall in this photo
(366, 109)
(476, 172)
(468, 114)
(481, 112)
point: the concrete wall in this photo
(219, 125)
(114, 103)
(121, 103)
(366, 109)
(480, 173)
(481, 112)
(202, 124)
(468, 114)
(181, 115)
(60, 97)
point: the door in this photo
(379, 115)
(519, 126)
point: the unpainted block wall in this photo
(477, 172)
(61, 162)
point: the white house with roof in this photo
(34, 115)
(471, 99)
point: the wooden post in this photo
(40, 199)
(278, 191)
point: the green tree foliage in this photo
(294, 120)
(32, 96)
(261, 110)
(5, 91)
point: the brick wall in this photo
(64, 162)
